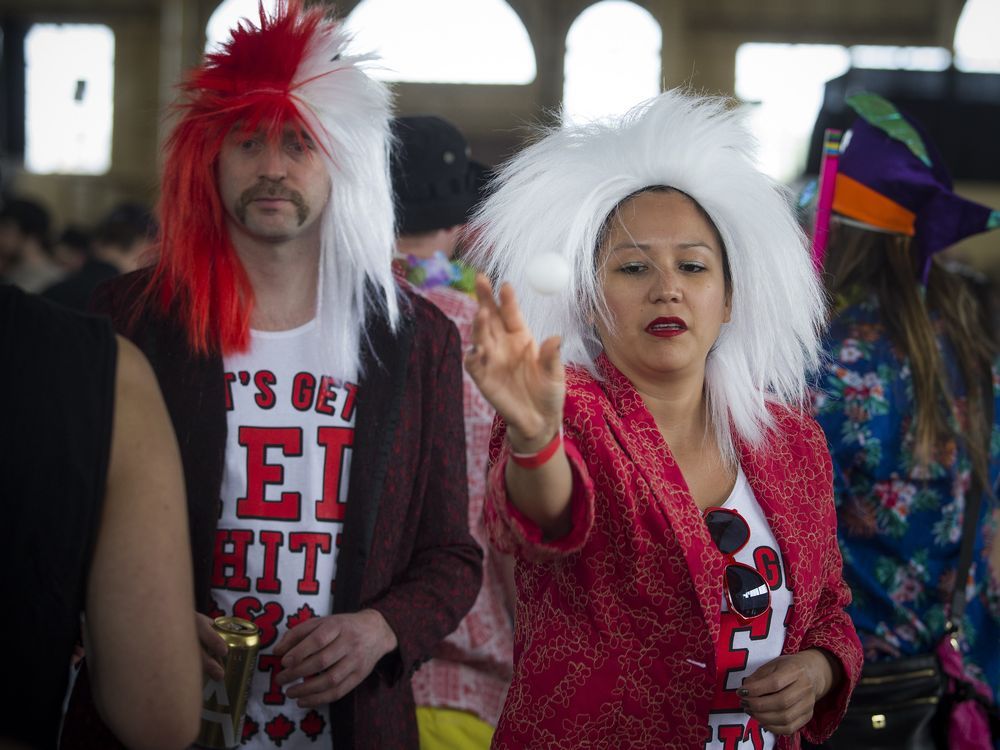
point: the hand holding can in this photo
(225, 701)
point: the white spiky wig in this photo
(293, 68)
(556, 195)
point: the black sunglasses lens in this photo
(748, 590)
(728, 530)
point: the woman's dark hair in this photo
(887, 265)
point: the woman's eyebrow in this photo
(646, 247)
(627, 245)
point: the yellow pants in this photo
(448, 729)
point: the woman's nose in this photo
(666, 286)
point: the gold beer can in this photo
(224, 704)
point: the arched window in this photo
(900, 58)
(784, 107)
(613, 60)
(444, 41)
(68, 106)
(225, 17)
(976, 47)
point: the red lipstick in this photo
(666, 327)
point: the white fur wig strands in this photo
(349, 113)
(556, 194)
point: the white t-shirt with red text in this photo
(743, 648)
(284, 491)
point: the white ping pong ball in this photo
(548, 273)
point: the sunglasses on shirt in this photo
(747, 592)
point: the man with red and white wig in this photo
(312, 397)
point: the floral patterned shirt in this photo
(900, 524)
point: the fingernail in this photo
(744, 692)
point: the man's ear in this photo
(450, 237)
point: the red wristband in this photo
(534, 460)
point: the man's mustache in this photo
(267, 188)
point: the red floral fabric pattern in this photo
(472, 667)
(617, 621)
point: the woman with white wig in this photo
(667, 498)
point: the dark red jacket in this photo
(406, 549)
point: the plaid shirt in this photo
(471, 669)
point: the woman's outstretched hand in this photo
(523, 381)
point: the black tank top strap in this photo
(57, 385)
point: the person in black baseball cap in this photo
(436, 186)
(459, 692)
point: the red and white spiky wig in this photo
(294, 69)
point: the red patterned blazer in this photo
(617, 621)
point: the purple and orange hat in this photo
(891, 178)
